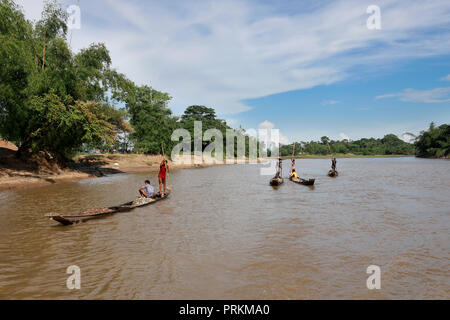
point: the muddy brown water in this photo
(226, 234)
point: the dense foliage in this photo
(389, 145)
(152, 120)
(210, 121)
(50, 98)
(435, 142)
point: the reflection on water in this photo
(225, 233)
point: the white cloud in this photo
(446, 78)
(343, 136)
(408, 137)
(284, 139)
(329, 102)
(266, 125)
(269, 126)
(231, 122)
(219, 53)
(437, 95)
(32, 8)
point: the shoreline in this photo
(348, 156)
(97, 166)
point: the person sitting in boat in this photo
(163, 171)
(147, 191)
(294, 175)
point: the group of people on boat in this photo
(148, 191)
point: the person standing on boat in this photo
(147, 190)
(333, 164)
(163, 172)
(279, 168)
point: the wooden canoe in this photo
(102, 212)
(333, 173)
(309, 182)
(276, 182)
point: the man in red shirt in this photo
(163, 171)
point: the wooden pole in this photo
(293, 157)
(331, 154)
(43, 52)
(329, 149)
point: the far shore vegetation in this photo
(345, 156)
(389, 145)
(431, 143)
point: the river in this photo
(226, 234)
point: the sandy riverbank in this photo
(16, 174)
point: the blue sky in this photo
(309, 68)
(355, 107)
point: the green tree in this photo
(60, 126)
(17, 64)
(325, 140)
(152, 120)
(52, 26)
(435, 142)
(209, 121)
(39, 67)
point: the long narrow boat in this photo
(333, 173)
(97, 213)
(276, 181)
(309, 182)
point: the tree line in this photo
(433, 143)
(388, 145)
(60, 102)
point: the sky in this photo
(309, 68)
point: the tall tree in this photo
(435, 142)
(39, 68)
(208, 118)
(51, 26)
(17, 64)
(151, 119)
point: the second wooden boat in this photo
(333, 173)
(276, 181)
(309, 182)
(97, 213)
